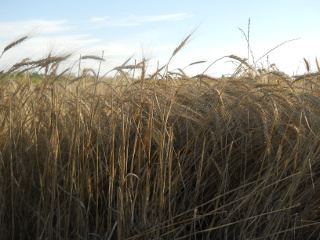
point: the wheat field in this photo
(158, 156)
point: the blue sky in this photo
(154, 28)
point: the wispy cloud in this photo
(48, 35)
(134, 20)
(122, 24)
(98, 19)
(45, 34)
(170, 17)
(16, 28)
(83, 38)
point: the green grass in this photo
(159, 157)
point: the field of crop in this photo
(158, 156)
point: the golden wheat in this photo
(163, 157)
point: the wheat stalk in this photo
(15, 43)
(318, 66)
(92, 57)
(271, 50)
(181, 45)
(307, 64)
(110, 162)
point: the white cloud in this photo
(98, 19)
(39, 46)
(53, 36)
(134, 20)
(11, 30)
(170, 17)
(123, 24)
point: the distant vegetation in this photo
(158, 156)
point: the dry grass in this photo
(231, 158)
